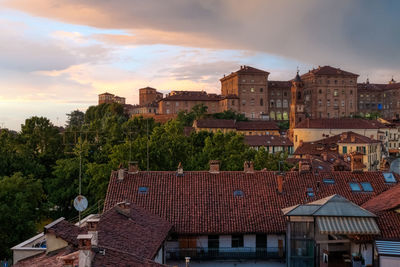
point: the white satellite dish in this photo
(80, 203)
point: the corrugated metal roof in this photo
(347, 225)
(388, 247)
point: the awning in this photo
(388, 247)
(347, 225)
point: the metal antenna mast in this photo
(147, 122)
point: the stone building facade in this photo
(148, 95)
(279, 96)
(107, 98)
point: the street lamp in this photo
(187, 259)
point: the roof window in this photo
(310, 192)
(143, 189)
(329, 181)
(389, 177)
(367, 187)
(238, 193)
(355, 187)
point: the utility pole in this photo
(147, 121)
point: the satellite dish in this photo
(80, 203)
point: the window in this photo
(284, 93)
(243, 102)
(335, 92)
(272, 103)
(233, 102)
(367, 187)
(237, 241)
(261, 102)
(351, 92)
(342, 92)
(355, 187)
(328, 181)
(342, 103)
(344, 149)
(320, 91)
(252, 90)
(389, 177)
(278, 103)
(285, 103)
(328, 102)
(238, 193)
(335, 81)
(252, 101)
(261, 90)
(177, 104)
(143, 189)
(310, 192)
(320, 102)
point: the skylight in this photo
(310, 192)
(238, 193)
(355, 187)
(329, 181)
(389, 177)
(367, 187)
(143, 189)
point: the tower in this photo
(297, 113)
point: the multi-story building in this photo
(107, 98)
(279, 96)
(185, 100)
(250, 85)
(330, 93)
(148, 95)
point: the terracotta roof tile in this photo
(238, 125)
(267, 140)
(66, 231)
(50, 259)
(203, 203)
(192, 96)
(328, 70)
(343, 123)
(386, 201)
(214, 123)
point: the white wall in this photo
(272, 242)
(160, 256)
(249, 241)
(225, 241)
(386, 261)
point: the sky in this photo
(56, 56)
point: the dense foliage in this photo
(40, 165)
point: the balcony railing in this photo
(225, 253)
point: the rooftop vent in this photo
(133, 167)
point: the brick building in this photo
(148, 95)
(107, 98)
(250, 85)
(185, 100)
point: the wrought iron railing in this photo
(225, 253)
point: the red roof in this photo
(50, 259)
(267, 140)
(343, 123)
(245, 70)
(328, 70)
(386, 201)
(238, 125)
(66, 231)
(192, 96)
(280, 84)
(203, 203)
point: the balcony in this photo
(225, 253)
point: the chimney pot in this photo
(180, 169)
(121, 174)
(248, 167)
(133, 167)
(85, 242)
(124, 208)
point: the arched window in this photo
(285, 103)
(278, 103)
(272, 115)
(285, 116)
(261, 102)
(278, 116)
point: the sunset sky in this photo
(57, 55)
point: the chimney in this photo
(214, 166)
(304, 167)
(279, 181)
(343, 136)
(69, 259)
(121, 172)
(352, 138)
(248, 167)
(124, 208)
(324, 156)
(92, 225)
(133, 167)
(179, 172)
(301, 142)
(85, 250)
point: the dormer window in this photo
(143, 189)
(355, 187)
(238, 193)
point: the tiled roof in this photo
(343, 123)
(238, 125)
(318, 163)
(66, 231)
(386, 201)
(49, 259)
(328, 70)
(139, 232)
(204, 203)
(267, 140)
(256, 125)
(113, 257)
(329, 144)
(245, 70)
(214, 123)
(388, 222)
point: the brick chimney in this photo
(69, 259)
(121, 172)
(214, 166)
(133, 167)
(85, 250)
(356, 162)
(92, 225)
(248, 167)
(324, 156)
(304, 167)
(179, 172)
(279, 181)
(124, 208)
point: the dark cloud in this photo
(352, 34)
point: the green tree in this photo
(20, 204)
(230, 115)
(75, 119)
(271, 162)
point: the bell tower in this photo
(297, 113)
